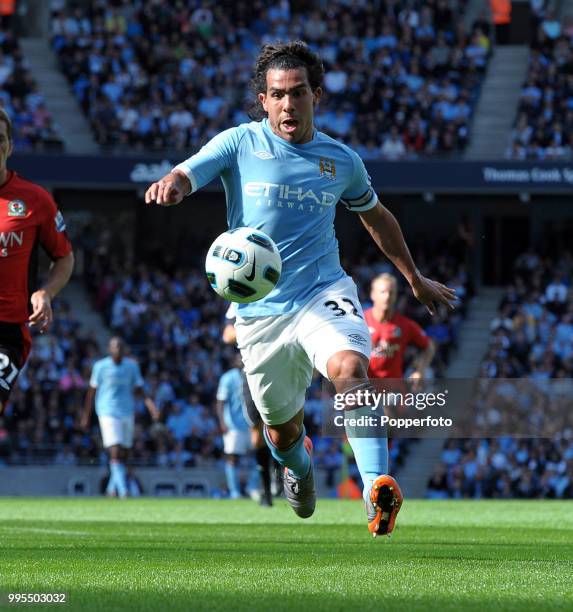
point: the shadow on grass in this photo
(322, 544)
(206, 600)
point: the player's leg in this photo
(252, 485)
(287, 444)
(113, 437)
(279, 372)
(292, 448)
(348, 372)
(263, 460)
(337, 340)
(260, 449)
(125, 456)
(4, 394)
(127, 426)
(236, 444)
(116, 485)
(232, 476)
(15, 343)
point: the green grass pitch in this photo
(183, 554)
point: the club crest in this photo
(16, 208)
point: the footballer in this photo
(391, 333)
(29, 218)
(284, 177)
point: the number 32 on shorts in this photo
(342, 307)
(8, 372)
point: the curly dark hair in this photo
(283, 56)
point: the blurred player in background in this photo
(263, 455)
(284, 177)
(28, 217)
(114, 382)
(234, 426)
(391, 333)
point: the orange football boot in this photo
(382, 505)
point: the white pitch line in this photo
(44, 530)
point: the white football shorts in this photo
(280, 352)
(236, 442)
(117, 431)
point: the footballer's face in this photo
(116, 349)
(384, 294)
(5, 145)
(289, 102)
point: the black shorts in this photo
(251, 414)
(15, 345)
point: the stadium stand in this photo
(531, 343)
(401, 79)
(33, 126)
(41, 422)
(173, 323)
(545, 114)
(42, 417)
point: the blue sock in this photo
(370, 451)
(371, 455)
(120, 477)
(295, 457)
(111, 486)
(232, 480)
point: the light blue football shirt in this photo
(230, 392)
(290, 192)
(114, 384)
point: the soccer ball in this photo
(243, 265)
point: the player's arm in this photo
(58, 276)
(88, 408)
(139, 391)
(169, 190)
(229, 334)
(54, 240)
(197, 171)
(219, 406)
(423, 361)
(229, 331)
(385, 230)
(149, 403)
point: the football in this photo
(243, 265)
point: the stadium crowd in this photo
(545, 115)
(33, 126)
(401, 78)
(531, 353)
(173, 323)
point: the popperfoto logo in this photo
(383, 421)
